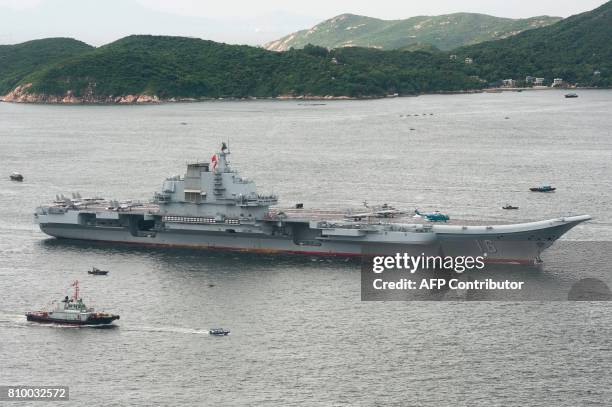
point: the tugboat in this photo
(544, 188)
(219, 332)
(508, 206)
(15, 176)
(72, 311)
(97, 272)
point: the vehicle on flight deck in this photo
(436, 216)
(382, 211)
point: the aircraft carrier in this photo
(213, 207)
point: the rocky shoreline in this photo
(21, 95)
(139, 99)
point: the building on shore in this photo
(509, 83)
(534, 81)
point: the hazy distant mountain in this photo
(100, 22)
(444, 32)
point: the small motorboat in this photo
(508, 206)
(544, 188)
(16, 177)
(97, 272)
(571, 95)
(219, 332)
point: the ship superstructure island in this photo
(213, 207)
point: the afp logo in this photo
(432, 284)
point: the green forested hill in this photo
(187, 67)
(444, 32)
(574, 49)
(16, 61)
(577, 49)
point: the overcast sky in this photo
(248, 22)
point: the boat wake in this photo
(9, 319)
(166, 329)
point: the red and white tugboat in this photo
(72, 311)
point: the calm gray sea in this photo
(300, 334)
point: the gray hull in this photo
(519, 247)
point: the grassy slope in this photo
(444, 32)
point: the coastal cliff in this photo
(21, 95)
